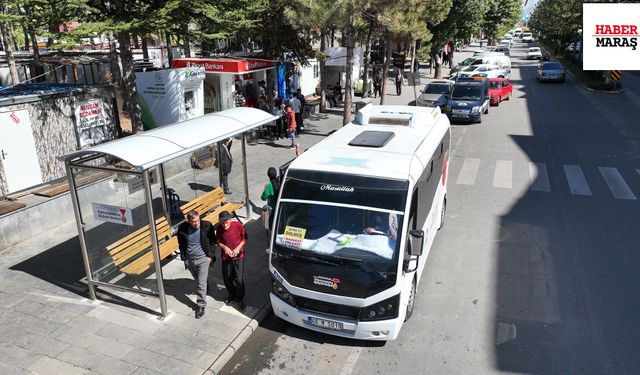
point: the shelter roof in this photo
(148, 149)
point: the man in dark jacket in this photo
(227, 161)
(195, 240)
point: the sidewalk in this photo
(48, 326)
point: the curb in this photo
(239, 340)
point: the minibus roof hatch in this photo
(372, 138)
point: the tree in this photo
(500, 16)
(7, 17)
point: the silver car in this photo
(551, 71)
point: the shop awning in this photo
(224, 64)
(145, 150)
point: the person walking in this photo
(295, 105)
(231, 238)
(291, 130)
(227, 162)
(195, 241)
(300, 119)
(270, 193)
(399, 78)
(278, 111)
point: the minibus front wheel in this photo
(412, 300)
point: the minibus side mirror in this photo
(416, 242)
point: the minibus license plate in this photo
(327, 324)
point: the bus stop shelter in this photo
(129, 194)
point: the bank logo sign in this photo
(610, 34)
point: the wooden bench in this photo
(132, 254)
(211, 204)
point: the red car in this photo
(499, 89)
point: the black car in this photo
(435, 94)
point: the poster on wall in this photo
(91, 122)
(112, 214)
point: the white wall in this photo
(309, 77)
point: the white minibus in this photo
(355, 220)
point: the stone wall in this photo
(54, 129)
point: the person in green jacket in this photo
(270, 192)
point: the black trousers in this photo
(233, 276)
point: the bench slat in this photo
(143, 263)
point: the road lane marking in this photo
(638, 171)
(503, 174)
(468, 172)
(616, 183)
(575, 178)
(539, 177)
(350, 364)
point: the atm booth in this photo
(223, 73)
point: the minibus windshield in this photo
(344, 232)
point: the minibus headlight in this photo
(280, 291)
(447, 108)
(387, 309)
(475, 109)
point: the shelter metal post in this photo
(246, 178)
(219, 156)
(154, 244)
(163, 189)
(80, 226)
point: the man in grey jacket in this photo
(195, 240)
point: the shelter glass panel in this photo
(116, 227)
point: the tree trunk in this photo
(348, 39)
(145, 48)
(129, 82)
(413, 56)
(11, 61)
(367, 58)
(12, 35)
(436, 62)
(333, 36)
(323, 76)
(185, 39)
(113, 62)
(387, 64)
(27, 44)
(167, 37)
(136, 42)
(53, 29)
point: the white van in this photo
(527, 37)
(493, 58)
(355, 220)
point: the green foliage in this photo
(557, 20)
(500, 16)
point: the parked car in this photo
(469, 99)
(435, 94)
(527, 37)
(502, 49)
(534, 53)
(484, 70)
(485, 50)
(551, 71)
(495, 58)
(499, 89)
(505, 42)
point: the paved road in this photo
(536, 270)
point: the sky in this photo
(528, 9)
